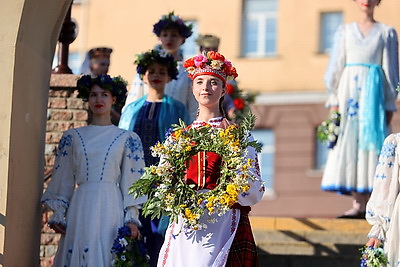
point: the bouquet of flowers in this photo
(329, 129)
(373, 257)
(167, 192)
(128, 252)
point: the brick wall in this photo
(64, 111)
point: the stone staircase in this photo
(305, 242)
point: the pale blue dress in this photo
(351, 167)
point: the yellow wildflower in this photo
(178, 133)
(189, 215)
(246, 188)
(231, 189)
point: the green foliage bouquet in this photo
(167, 192)
(329, 129)
(373, 257)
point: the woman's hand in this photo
(135, 233)
(373, 242)
(58, 228)
(333, 108)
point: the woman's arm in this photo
(132, 168)
(62, 185)
(256, 191)
(390, 66)
(335, 67)
(385, 189)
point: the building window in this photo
(266, 158)
(189, 48)
(321, 154)
(330, 21)
(259, 28)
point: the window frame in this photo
(261, 19)
(326, 30)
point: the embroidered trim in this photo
(213, 122)
(86, 156)
(165, 257)
(234, 221)
(107, 153)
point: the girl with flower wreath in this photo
(150, 117)
(172, 33)
(93, 169)
(216, 238)
(361, 78)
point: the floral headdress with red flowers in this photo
(210, 63)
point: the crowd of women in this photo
(96, 165)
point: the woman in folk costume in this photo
(94, 167)
(361, 78)
(172, 33)
(150, 117)
(383, 208)
(227, 240)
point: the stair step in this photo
(307, 248)
(317, 236)
(309, 224)
(313, 239)
(266, 260)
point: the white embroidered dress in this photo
(383, 208)
(94, 167)
(179, 89)
(348, 167)
(208, 247)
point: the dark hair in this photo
(221, 107)
(379, 1)
(172, 21)
(116, 85)
(159, 56)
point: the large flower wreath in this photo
(164, 184)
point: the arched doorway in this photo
(28, 37)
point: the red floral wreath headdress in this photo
(210, 63)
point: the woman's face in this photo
(100, 100)
(367, 6)
(208, 90)
(156, 76)
(99, 65)
(171, 40)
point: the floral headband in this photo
(210, 63)
(172, 21)
(159, 56)
(116, 85)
